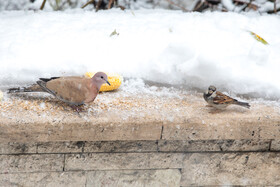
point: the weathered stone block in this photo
(60, 147)
(17, 148)
(118, 178)
(275, 145)
(217, 130)
(213, 145)
(40, 131)
(31, 163)
(106, 161)
(135, 178)
(245, 145)
(165, 160)
(188, 145)
(231, 169)
(46, 179)
(110, 161)
(121, 146)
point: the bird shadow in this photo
(33, 97)
(232, 109)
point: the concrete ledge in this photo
(89, 131)
(115, 117)
(135, 140)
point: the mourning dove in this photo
(219, 100)
(72, 90)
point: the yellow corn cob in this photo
(114, 79)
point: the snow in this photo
(191, 50)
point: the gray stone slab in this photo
(231, 169)
(60, 147)
(188, 145)
(17, 148)
(121, 146)
(245, 145)
(111, 161)
(135, 178)
(46, 179)
(213, 145)
(118, 178)
(31, 163)
(106, 161)
(40, 131)
(220, 129)
(165, 160)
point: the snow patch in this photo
(168, 47)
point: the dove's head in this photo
(211, 90)
(100, 78)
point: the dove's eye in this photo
(101, 77)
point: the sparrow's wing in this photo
(223, 99)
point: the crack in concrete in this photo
(161, 133)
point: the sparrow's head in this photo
(211, 90)
(100, 78)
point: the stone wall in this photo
(138, 141)
(140, 163)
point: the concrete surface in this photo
(115, 116)
(137, 139)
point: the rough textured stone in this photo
(46, 179)
(121, 178)
(135, 178)
(275, 145)
(129, 116)
(17, 148)
(213, 145)
(60, 147)
(245, 145)
(132, 128)
(106, 161)
(188, 145)
(121, 146)
(79, 131)
(217, 130)
(31, 163)
(231, 169)
(165, 160)
(110, 161)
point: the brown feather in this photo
(73, 89)
(223, 99)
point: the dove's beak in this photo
(108, 83)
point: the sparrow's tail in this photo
(247, 105)
(32, 88)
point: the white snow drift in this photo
(190, 49)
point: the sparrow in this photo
(219, 100)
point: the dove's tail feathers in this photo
(32, 88)
(246, 105)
